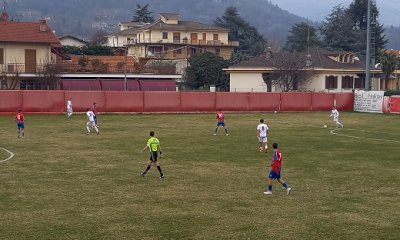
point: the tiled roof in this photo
(170, 16)
(72, 37)
(27, 32)
(320, 58)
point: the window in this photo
(29, 85)
(215, 36)
(176, 37)
(1, 56)
(330, 82)
(347, 82)
(359, 83)
(165, 35)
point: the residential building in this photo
(72, 41)
(171, 38)
(394, 79)
(321, 71)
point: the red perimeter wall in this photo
(153, 101)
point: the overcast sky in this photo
(317, 10)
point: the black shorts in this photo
(153, 156)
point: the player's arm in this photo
(159, 149)
(147, 146)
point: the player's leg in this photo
(285, 185)
(18, 131)
(336, 122)
(22, 130)
(266, 145)
(148, 167)
(88, 127)
(216, 129)
(159, 169)
(95, 127)
(95, 120)
(269, 187)
(340, 124)
(226, 129)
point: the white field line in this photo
(9, 152)
(351, 136)
(345, 135)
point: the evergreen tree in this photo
(346, 28)
(205, 69)
(142, 14)
(302, 36)
(251, 42)
(338, 32)
(358, 11)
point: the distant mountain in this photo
(317, 10)
(82, 18)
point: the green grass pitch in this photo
(64, 184)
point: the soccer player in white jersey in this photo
(69, 108)
(335, 115)
(262, 135)
(90, 121)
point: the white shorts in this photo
(262, 139)
(69, 109)
(91, 123)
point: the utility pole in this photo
(126, 62)
(368, 53)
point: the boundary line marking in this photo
(9, 152)
(333, 131)
(366, 138)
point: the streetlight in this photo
(368, 53)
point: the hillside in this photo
(83, 18)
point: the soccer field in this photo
(64, 184)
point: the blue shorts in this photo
(221, 124)
(274, 175)
(20, 125)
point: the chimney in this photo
(308, 60)
(268, 53)
(4, 17)
(42, 25)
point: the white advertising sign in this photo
(368, 101)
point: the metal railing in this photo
(23, 68)
(184, 41)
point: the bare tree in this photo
(289, 69)
(10, 78)
(49, 74)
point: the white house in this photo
(323, 71)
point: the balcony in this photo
(16, 68)
(184, 41)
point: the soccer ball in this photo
(275, 111)
(325, 126)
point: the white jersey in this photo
(90, 116)
(335, 114)
(262, 128)
(69, 104)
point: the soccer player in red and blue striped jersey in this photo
(20, 120)
(220, 117)
(275, 172)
